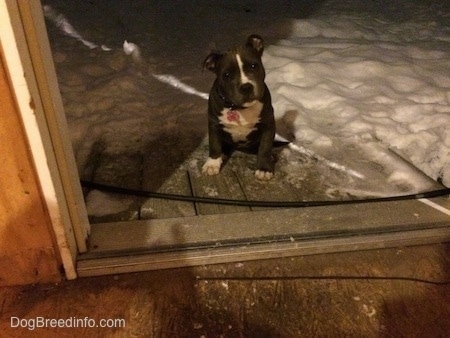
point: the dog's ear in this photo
(211, 61)
(256, 42)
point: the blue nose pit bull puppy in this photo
(240, 110)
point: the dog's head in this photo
(240, 73)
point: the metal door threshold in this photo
(124, 247)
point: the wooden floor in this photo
(173, 166)
(169, 168)
(186, 303)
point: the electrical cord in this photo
(252, 203)
(293, 278)
(275, 204)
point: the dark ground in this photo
(184, 303)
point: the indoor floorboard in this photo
(328, 295)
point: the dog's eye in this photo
(226, 75)
(254, 66)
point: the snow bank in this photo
(363, 79)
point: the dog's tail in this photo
(280, 141)
(277, 144)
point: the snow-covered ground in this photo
(363, 75)
(342, 74)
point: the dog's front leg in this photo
(264, 162)
(214, 162)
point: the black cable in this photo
(274, 204)
(290, 278)
(250, 203)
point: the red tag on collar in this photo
(233, 115)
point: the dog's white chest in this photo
(239, 123)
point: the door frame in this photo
(31, 69)
(33, 79)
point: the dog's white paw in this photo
(263, 175)
(212, 166)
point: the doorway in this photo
(132, 126)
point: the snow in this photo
(343, 74)
(357, 77)
(101, 204)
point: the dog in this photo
(240, 112)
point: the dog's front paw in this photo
(263, 175)
(212, 166)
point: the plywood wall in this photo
(27, 250)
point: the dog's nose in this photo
(246, 88)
